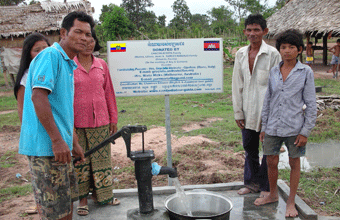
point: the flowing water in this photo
(182, 196)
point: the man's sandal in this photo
(83, 210)
(114, 202)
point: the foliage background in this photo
(135, 20)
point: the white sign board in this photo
(166, 67)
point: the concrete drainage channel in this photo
(243, 207)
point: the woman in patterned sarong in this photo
(95, 118)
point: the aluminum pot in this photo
(203, 205)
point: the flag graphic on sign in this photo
(120, 47)
(211, 45)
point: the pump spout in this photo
(172, 172)
(158, 170)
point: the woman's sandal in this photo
(114, 202)
(244, 191)
(83, 210)
(32, 210)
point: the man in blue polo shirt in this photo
(47, 126)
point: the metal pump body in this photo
(143, 166)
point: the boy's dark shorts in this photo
(272, 145)
(54, 186)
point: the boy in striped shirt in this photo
(290, 87)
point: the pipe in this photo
(158, 170)
(172, 172)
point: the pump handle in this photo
(125, 132)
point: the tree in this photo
(148, 21)
(32, 2)
(201, 20)
(115, 24)
(239, 7)
(10, 2)
(199, 24)
(221, 19)
(221, 14)
(105, 8)
(182, 16)
(278, 5)
(135, 10)
(244, 7)
(255, 6)
(161, 20)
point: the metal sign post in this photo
(168, 134)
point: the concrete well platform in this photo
(243, 207)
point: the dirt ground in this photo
(196, 165)
(198, 160)
(14, 208)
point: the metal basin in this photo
(203, 204)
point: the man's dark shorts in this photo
(272, 145)
(54, 186)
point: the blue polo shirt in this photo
(52, 70)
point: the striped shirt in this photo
(282, 112)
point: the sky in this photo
(164, 6)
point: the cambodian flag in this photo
(211, 45)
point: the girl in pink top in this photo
(95, 118)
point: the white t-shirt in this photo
(24, 78)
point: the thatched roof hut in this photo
(309, 16)
(18, 21)
(314, 18)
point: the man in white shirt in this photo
(249, 85)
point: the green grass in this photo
(11, 119)
(3, 85)
(2, 79)
(129, 169)
(14, 191)
(329, 86)
(319, 186)
(8, 159)
(327, 127)
(8, 103)
(327, 124)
